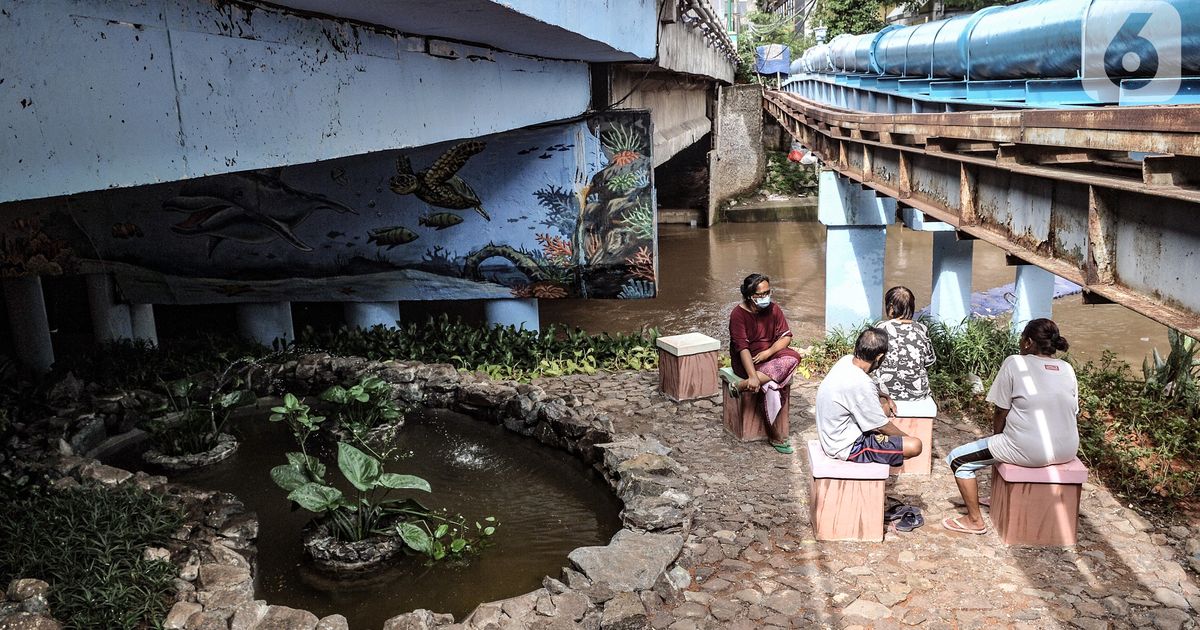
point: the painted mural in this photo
(559, 211)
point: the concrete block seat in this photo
(915, 417)
(1037, 506)
(687, 366)
(845, 498)
(744, 416)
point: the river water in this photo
(700, 271)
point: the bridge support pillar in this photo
(370, 314)
(1035, 296)
(515, 312)
(854, 250)
(951, 299)
(110, 320)
(265, 322)
(951, 296)
(26, 306)
(142, 318)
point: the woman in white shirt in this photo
(1035, 400)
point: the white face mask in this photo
(762, 302)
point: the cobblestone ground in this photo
(757, 565)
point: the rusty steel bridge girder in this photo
(1053, 188)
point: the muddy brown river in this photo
(701, 269)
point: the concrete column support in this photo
(265, 322)
(854, 250)
(371, 314)
(516, 312)
(28, 323)
(951, 299)
(142, 318)
(110, 319)
(1035, 296)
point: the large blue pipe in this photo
(1032, 39)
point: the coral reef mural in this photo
(553, 212)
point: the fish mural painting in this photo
(552, 212)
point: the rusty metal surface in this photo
(1056, 189)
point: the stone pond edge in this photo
(606, 586)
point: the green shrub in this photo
(788, 178)
(131, 364)
(500, 352)
(87, 543)
(1140, 444)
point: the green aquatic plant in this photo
(195, 413)
(363, 406)
(372, 510)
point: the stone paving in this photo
(756, 565)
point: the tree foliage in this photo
(761, 29)
(849, 16)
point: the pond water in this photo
(546, 501)
(700, 271)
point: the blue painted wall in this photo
(564, 210)
(97, 95)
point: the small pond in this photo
(547, 502)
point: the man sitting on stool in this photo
(851, 420)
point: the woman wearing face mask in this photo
(1035, 399)
(758, 346)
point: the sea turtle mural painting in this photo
(559, 211)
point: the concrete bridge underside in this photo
(1106, 198)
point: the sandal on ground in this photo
(954, 524)
(897, 511)
(782, 447)
(911, 520)
(985, 502)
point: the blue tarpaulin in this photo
(772, 59)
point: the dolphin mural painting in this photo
(252, 207)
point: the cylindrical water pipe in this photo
(1032, 39)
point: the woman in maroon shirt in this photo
(758, 346)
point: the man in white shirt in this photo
(851, 420)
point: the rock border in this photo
(606, 587)
(226, 446)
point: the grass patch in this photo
(87, 544)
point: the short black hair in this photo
(750, 284)
(871, 344)
(899, 303)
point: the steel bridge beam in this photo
(1070, 191)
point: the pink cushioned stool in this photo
(845, 498)
(1037, 506)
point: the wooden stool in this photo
(915, 417)
(1037, 506)
(687, 366)
(845, 499)
(744, 416)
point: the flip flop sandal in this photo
(953, 524)
(784, 447)
(894, 512)
(911, 520)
